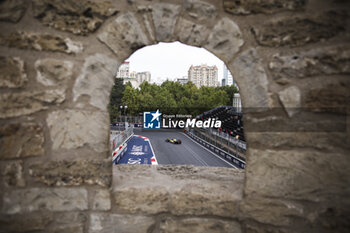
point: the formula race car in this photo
(173, 140)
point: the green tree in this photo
(116, 98)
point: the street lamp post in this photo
(124, 107)
(237, 137)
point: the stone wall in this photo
(57, 63)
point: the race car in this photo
(173, 140)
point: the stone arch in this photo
(54, 133)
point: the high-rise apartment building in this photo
(228, 77)
(135, 78)
(203, 75)
(123, 71)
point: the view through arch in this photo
(173, 104)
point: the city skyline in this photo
(171, 60)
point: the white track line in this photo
(196, 156)
(154, 155)
(211, 152)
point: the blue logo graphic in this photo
(151, 120)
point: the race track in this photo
(189, 152)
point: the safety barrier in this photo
(228, 157)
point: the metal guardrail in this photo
(228, 157)
(119, 137)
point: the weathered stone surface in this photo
(191, 33)
(78, 17)
(24, 103)
(164, 17)
(250, 74)
(70, 129)
(146, 12)
(41, 42)
(96, 80)
(124, 35)
(291, 99)
(13, 174)
(102, 199)
(21, 140)
(24, 223)
(193, 190)
(115, 223)
(225, 39)
(171, 225)
(52, 72)
(300, 31)
(53, 199)
(334, 97)
(149, 200)
(79, 172)
(321, 61)
(43, 222)
(202, 199)
(12, 72)
(262, 6)
(297, 175)
(325, 141)
(12, 10)
(199, 10)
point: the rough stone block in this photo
(96, 80)
(13, 174)
(148, 200)
(333, 97)
(12, 10)
(199, 10)
(78, 17)
(291, 99)
(101, 200)
(262, 6)
(67, 222)
(225, 39)
(21, 140)
(78, 172)
(191, 33)
(53, 72)
(204, 199)
(250, 73)
(325, 141)
(12, 72)
(124, 36)
(193, 191)
(70, 129)
(272, 211)
(164, 17)
(171, 225)
(115, 223)
(297, 175)
(321, 61)
(300, 31)
(24, 103)
(53, 199)
(41, 42)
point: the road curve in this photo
(189, 152)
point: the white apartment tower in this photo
(228, 77)
(123, 71)
(203, 75)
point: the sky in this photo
(171, 60)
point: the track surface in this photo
(188, 152)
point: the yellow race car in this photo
(173, 140)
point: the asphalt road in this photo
(189, 152)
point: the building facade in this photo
(135, 78)
(237, 102)
(123, 71)
(228, 77)
(203, 75)
(183, 80)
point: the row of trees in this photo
(170, 98)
